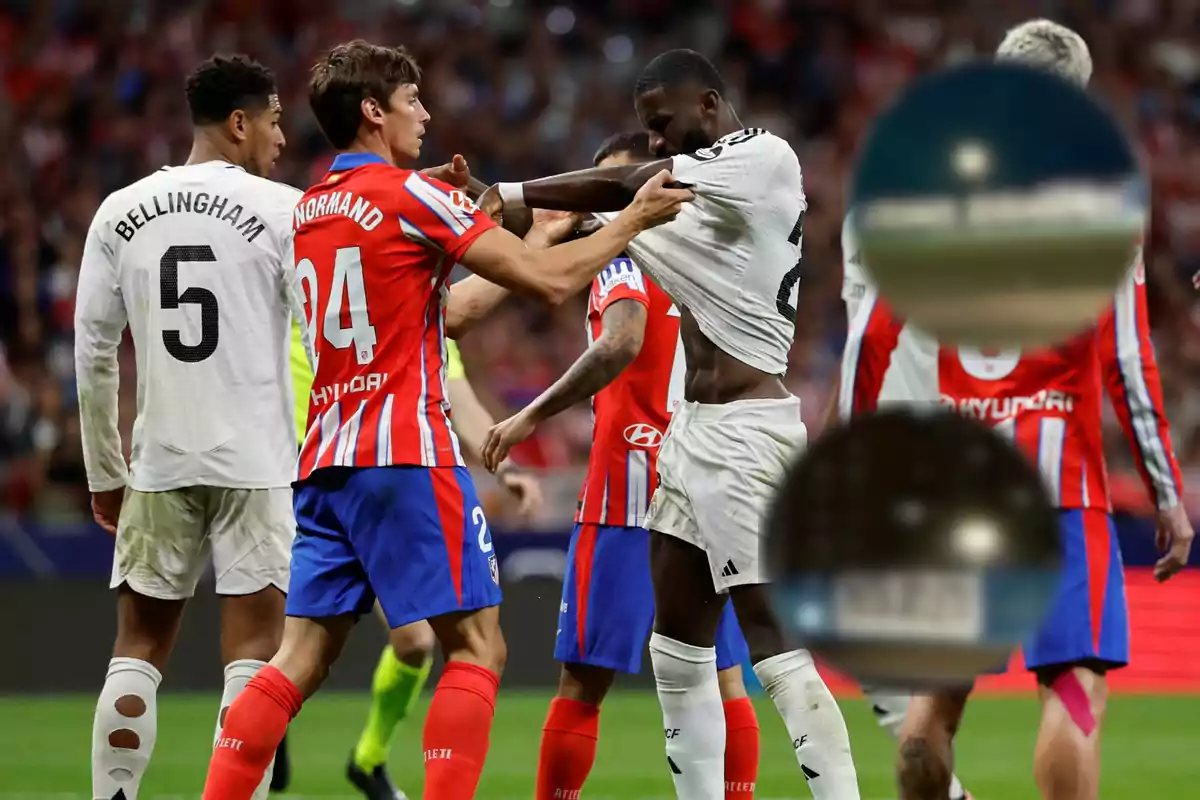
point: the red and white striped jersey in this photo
(374, 247)
(631, 414)
(1048, 400)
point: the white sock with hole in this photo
(693, 716)
(814, 721)
(889, 709)
(237, 675)
(124, 728)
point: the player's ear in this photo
(710, 102)
(372, 110)
(238, 125)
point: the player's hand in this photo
(456, 173)
(1173, 536)
(490, 203)
(523, 486)
(551, 227)
(655, 204)
(504, 436)
(106, 509)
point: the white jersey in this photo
(732, 257)
(196, 261)
(886, 361)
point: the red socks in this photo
(568, 749)
(741, 749)
(254, 725)
(456, 731)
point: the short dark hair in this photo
(225, 83)
(350, 73)
(676, 67)
(636, 143)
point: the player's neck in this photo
(205, 149)
(728, 123)
(373, 145)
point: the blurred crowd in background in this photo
(91, 99)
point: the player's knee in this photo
(474, 638)
(732, 684)
(585, 683)
(413, 644)
(1081, 690)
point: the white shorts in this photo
(166, 539)
(718, 471)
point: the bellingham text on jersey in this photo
(342, 203)
(212, 205)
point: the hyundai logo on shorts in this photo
(643, 435)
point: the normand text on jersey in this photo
(345, 204)
(245, 222)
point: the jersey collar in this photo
(345, 161)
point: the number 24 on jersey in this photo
(347, 291)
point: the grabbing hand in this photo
(655, 204)
(504, 436)
(106, 509)
(1173, 537)
(490, 203)
(551, 227)
(456, 173)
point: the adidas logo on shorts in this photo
(729, 570)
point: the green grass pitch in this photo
(1151, 749)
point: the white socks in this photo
(693, 717)
(237, 675)
(125, 728)
(889, 709)
(814, 722)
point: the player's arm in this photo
(622, 307)
(474, 297)
(1131, 378)
(100, 321)
(557, 273)
(727, 172)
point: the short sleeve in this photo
(440, 215)
(620, 280)
(736, 169)
(854, 278)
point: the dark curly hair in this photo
(226, 83)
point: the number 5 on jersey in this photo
(346, 291)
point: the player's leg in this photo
(445, 571)
(251, 531)
(890, 708)
(399, 678)
(741, 721)
(604, 619)
(925, 758)
(744, 447)
(327, 594)
(687, 611)
(1085, 634)
(158, 558)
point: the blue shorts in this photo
(413, 537)
(1088, 620)
(607, 609)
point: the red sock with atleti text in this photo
(741, 749)
(457, 728)
(568, 749)
(254, 725)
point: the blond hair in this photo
(1050, 46)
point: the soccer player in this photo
(634, 368)
(1048, 401)
(406, 660)
(384, 506)
(731, 262)
(191, 259)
